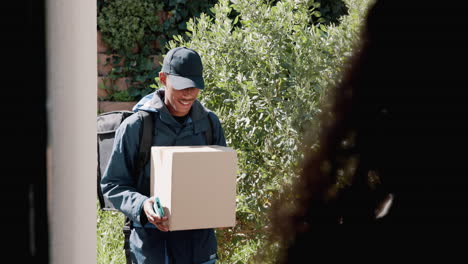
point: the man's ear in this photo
(162, 78)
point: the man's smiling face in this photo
(179, 102)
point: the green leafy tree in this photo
(124, 23)
(330, 11)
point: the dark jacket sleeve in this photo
(117, 183)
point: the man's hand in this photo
(160, 223)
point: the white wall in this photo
(72, 78)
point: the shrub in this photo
(110, 238)
(124, 23)
(330, 10)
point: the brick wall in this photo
(105, 62)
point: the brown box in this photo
(196, 185)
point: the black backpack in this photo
(107, 124)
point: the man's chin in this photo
(183, 110)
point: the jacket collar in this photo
(197, 112)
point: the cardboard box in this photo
(196, 185)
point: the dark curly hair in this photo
(388, 163)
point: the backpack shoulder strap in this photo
(209, 132)
(145, 142)
(147, 123)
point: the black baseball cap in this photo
(184, 68)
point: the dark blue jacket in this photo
(189, 246)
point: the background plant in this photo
(137, 32)
(123, 23)
(110, 239)
(330, 10)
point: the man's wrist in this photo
(143, 217)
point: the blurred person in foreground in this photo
(387, 180)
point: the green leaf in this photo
(235, 20)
